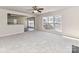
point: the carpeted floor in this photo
(36, 42)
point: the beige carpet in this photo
(36, 42)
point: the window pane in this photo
(57, 19)
(58, 23)
(51, 19)
(53, 22)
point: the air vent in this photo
(75, 49)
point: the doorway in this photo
(31, 24)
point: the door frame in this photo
(28, 20)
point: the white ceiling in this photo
(28, 9)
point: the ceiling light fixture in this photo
(35, 11)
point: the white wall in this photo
(6, 29)
(70, 20)
(11, 29)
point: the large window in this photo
(52, 23)
(48, 23)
